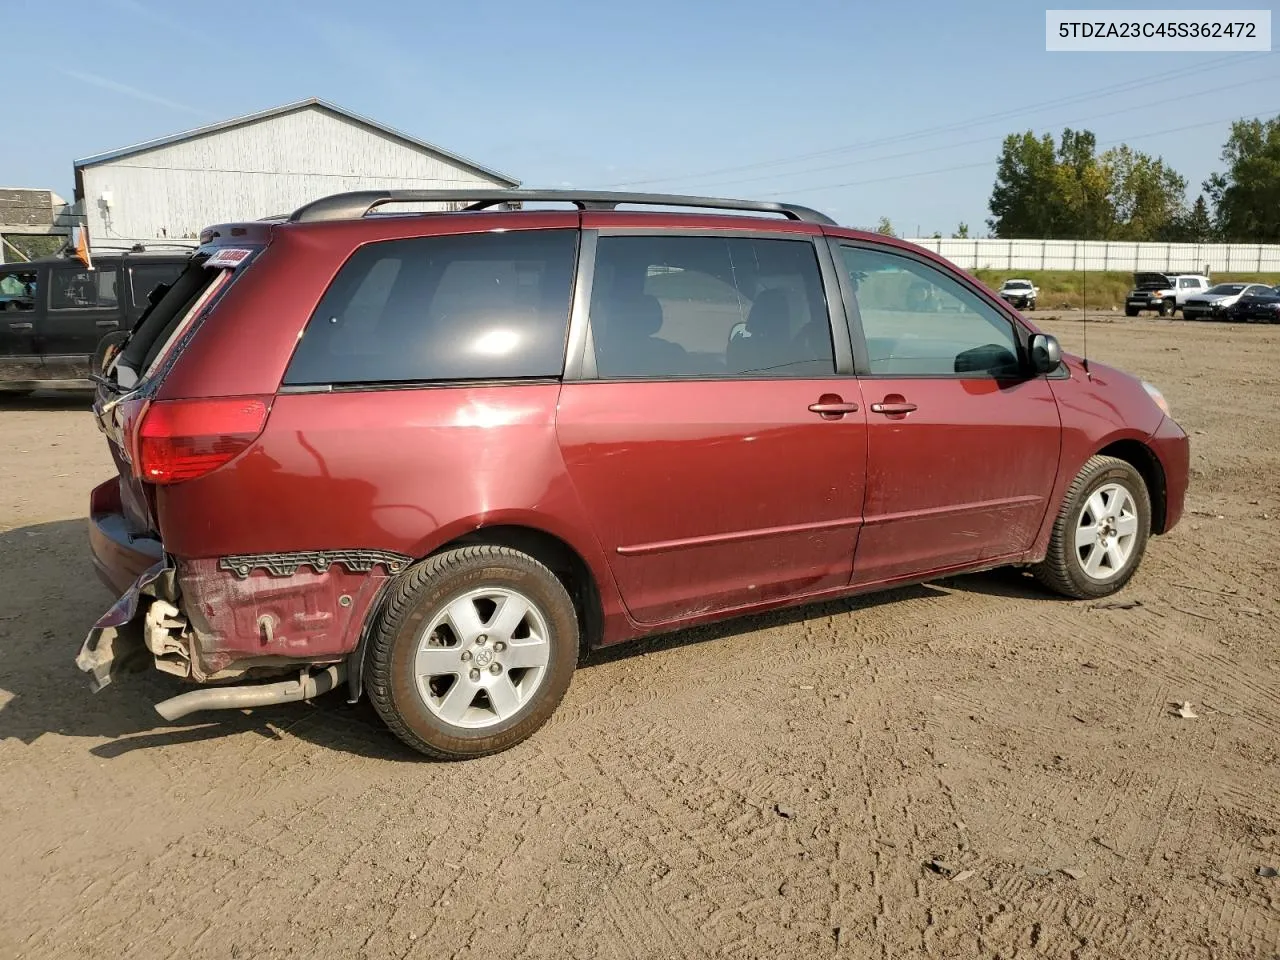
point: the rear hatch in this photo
(129, 370)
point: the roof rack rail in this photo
(354, 205)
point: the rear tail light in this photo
(184, 439)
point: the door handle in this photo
(893, 407)
(104, 323)
(19, 326)
(831, 407)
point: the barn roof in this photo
(312, 102)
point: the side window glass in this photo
(666, 307)
(74, 289)
(920, 322)
(479, 306)
(18, 290)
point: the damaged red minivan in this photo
(434, 457)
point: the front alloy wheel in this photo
(1100, 533)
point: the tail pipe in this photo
(253, 695)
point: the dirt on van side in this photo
(965, 769)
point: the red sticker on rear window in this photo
(227, 257)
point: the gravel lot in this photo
(774, 787)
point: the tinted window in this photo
(145, 277)
(920, 322)
(485, 306)
(72, 288)
(1226, 289)
(674, 306)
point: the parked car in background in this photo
(54, 313)
(434, 457)
(1214, 303)
(1164, 293)
(1020, 294)
(1256, 306)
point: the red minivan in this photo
(435, 457)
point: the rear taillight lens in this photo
(184, 439)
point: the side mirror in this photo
(1046, 354)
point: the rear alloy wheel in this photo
(1101, 531)
(472, 652)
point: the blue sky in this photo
(869, 108)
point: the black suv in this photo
(54, 312)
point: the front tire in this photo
(472, 652)
(1166, 309)
(1100, 533)
(1130, 312)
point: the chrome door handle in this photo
(833, 407)
(893, 408)
(19, 326)
(104, 323)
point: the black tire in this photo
(1166, 309)
(1062, 570)
(1130, 312)
(1031, 306)
(421, 594)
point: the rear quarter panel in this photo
(401, 471)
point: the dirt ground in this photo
(771, 788)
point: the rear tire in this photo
(472, 652)
(1100, 533)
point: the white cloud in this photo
(115, 86)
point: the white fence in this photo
(1107, 255)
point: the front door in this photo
(18, 292)
(963, 444)
(83, 306)
(711, 442)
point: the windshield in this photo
(1017, 285)
(1224, 289)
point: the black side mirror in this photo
(1046, 354)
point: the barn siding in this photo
(263, 168)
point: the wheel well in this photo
(560, 558)
(1139, 456)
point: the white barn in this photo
(262, 165)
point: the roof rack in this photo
(354, 205)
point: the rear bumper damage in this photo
(230, 619)
(148, 620)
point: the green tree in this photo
(1246, 197)
(1022, 198)
(1148, 199)
(885, 228)
(1081, 203)
(962, 232)
(1192, 226)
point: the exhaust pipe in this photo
(253, 695)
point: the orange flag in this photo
(82, 246)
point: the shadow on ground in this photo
(46, 400)
(50, 597)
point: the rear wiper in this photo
(104, 382)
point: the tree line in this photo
(1066, 190)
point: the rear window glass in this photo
(486, 306)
